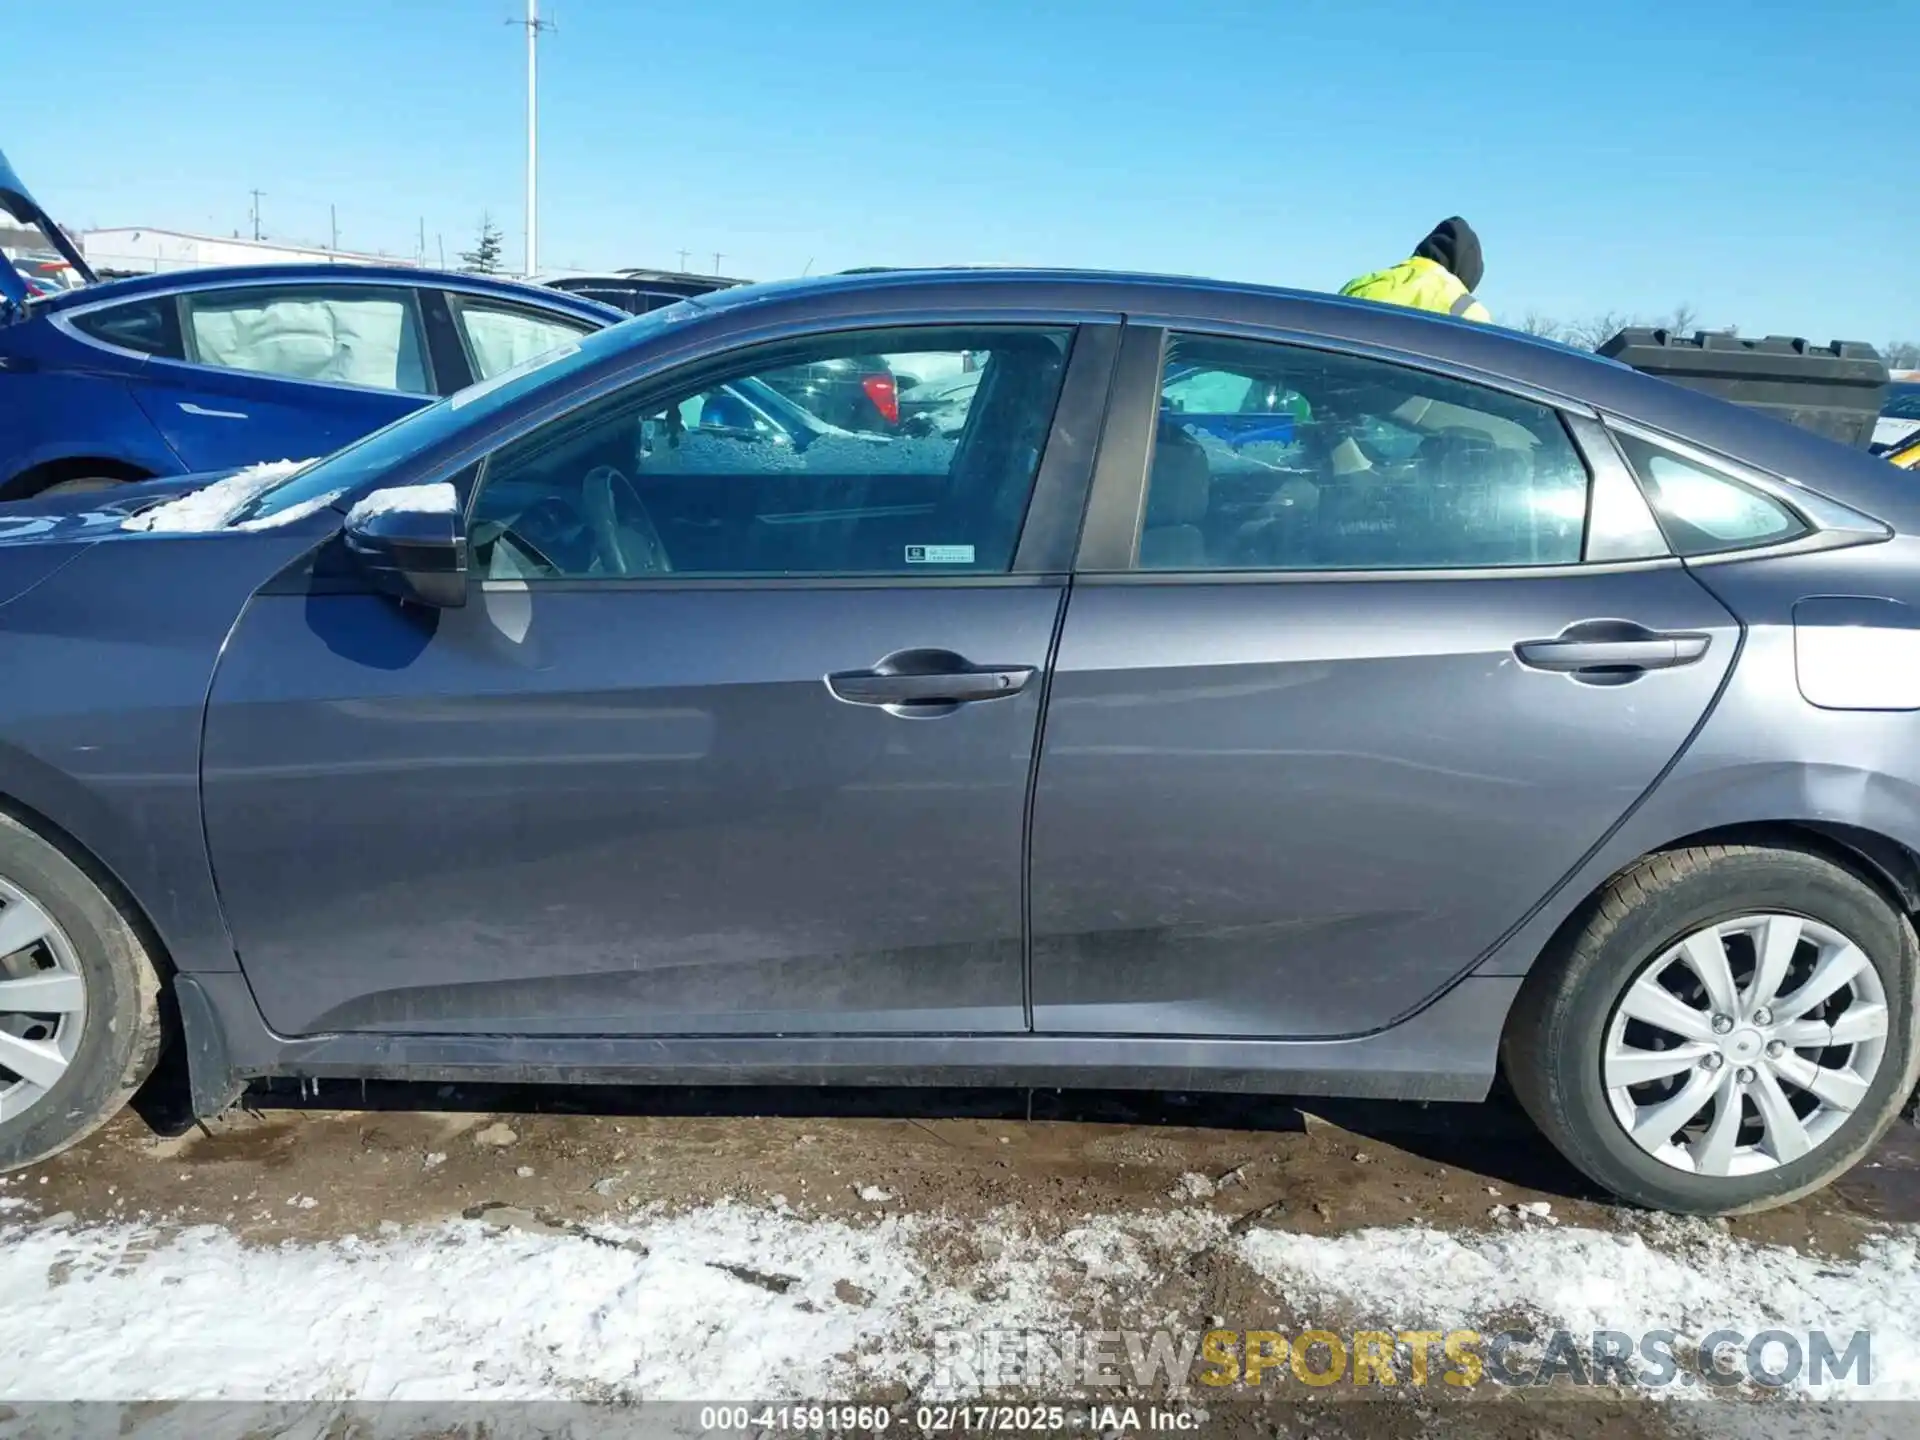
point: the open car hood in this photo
(26, 211)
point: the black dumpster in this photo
(1834, 389)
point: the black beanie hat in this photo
(1454, 245)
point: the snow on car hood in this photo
(213, 507)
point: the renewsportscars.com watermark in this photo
(986, 1361)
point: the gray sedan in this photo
(1428, 701)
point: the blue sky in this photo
(1744, 157)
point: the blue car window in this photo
(499, 337)
(147, 327)
(1277, 457)
(341, 334)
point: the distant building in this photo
(146, 250)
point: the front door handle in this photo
(927, 682)
(192, 409)
(1612, 648)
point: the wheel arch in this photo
(36, 478)
(1885, 864)
(100, 873)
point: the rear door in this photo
(286, 371)
(734, 736)
(1338, 700)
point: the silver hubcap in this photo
(1746, 1045)
(43, 1001)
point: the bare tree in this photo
(1545, 326)
(1684, 319)
(1592, 334)
(1901, 354)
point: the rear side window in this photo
(1276, 457)
(342, 334)
(1703, 512)
(149, 327)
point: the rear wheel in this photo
(79, 1011)
(1732, 1028)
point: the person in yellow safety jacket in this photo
(1440, 276)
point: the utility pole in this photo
(533, 25)
(333, 223)
(421, 254)
(717, 258)
(683, 260)
(257, 194)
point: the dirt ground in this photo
(400, 1153)
(309, 1164)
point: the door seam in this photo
(1026, 813)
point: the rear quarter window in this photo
(147, 327)
(1703, 512)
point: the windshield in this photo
(374, 455)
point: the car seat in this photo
(1179, 490)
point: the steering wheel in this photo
(632, 549)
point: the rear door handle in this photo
(206, 414)
(1574, 651)
(927, 682)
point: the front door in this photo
(733, 736)
(1364, 693)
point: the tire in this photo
(117, 1040)
(1558, 1040)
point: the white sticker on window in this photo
(939, 554)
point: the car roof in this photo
(1578, 378)
(167, 281)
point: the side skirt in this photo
(1446, 1052)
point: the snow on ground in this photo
(212, 506)
(730, 1300)
(1692, 1280)
(721, 1300)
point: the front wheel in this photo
(1732, 1028)
(79, 1001)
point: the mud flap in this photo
(212, 1083)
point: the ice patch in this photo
(212, 506)
(436, 499)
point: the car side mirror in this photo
(412, 543)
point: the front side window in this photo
(1276, 457)
(341, 334)
(739, 468)
(499, 337)
(1703, 512)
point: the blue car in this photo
(213, 369)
